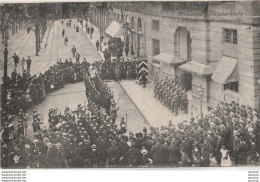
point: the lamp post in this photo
(6, 37)
(5, 41)
(201, 95)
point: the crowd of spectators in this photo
(117, 69)
(87, 137)
(26, 90)
(115, 47)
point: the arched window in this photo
(139, 24)
(133, 22)
(182, 43)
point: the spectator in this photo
(16, 60)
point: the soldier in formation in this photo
(87, 137)
(170, 94)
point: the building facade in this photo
(211, 48)
(100, 14)
(131, 16)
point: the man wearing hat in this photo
(134, 156)
(156, 152)
(174, 154)
(60, 161)
(185, 161)
(51, 155)
(165, 152)
(122, 150)
(93, 156)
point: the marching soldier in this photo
(172, 101)
(169, 97)
(176, 104)
(184, 103)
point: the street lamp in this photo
(201, 95)
(5, 41)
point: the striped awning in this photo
(197, 68)
(226, 71)
(167, 59)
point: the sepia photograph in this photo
(130, 84)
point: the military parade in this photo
(87, 137)
(171, 94)
(37, 131)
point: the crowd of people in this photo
(115, 47)
(89, 29)
(91, 135)
(118, 69)
(170, 94)
(87, 137)
(26, 90)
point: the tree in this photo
(37, 15)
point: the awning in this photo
(141, 58)
(226, 71)
(167, 59)
(114, 29)
(197, 68)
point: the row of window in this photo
(229, 35)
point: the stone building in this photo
(100, 15)
(131, 17)
(211, 47)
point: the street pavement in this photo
(16, 44)
(73, 94)
(137, 104)
(14, 41)
(152, 111)
(135, 119)
(24, 45)
(95, 36)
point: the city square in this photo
(130, 84)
